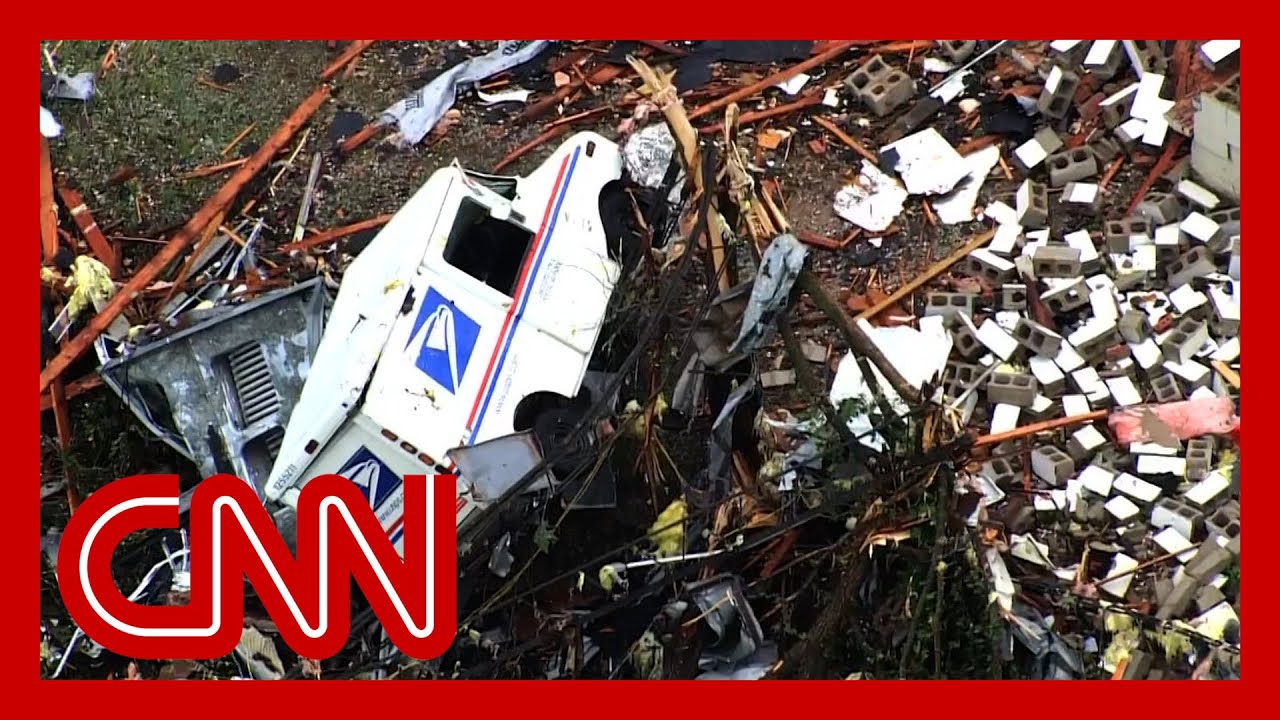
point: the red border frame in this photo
(743, 19)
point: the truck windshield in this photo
(487, 249)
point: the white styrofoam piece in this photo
(1161, 465)
(1136, 487)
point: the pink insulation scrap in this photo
(1172, 422)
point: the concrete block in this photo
(1197, 194)
(1007, 240)
(1067, 297)
(1000, 471)
(1225, 318)
(1037, 338)
(1056, 261)
(1122, 508)
(1052, 465)
(1179, 515)
(1059, 89)
(1199, 453)
(1160, 208)
(1222, 524)
(1165, 389)
(1084, 442)
(1123, 391)
(1207, 598)
(1042, 408)
(1004, 417)
(988, 266)
(1196, 262)
(1137, 488)
(1152, 56)
(964, 339)
(1228, 220)
(958, 50)
(1184, 340)
(1133, 326)
(1090, 260)
(1179, 599)
(1171, 541)
(1114, 110)
(1191, 373)
(1210, 560)
(1199, 226)
(1105, 149)
(1067, 358)
(1161, 465)
(1189, 302)
(1071, 165)
(1092, 338)
(950, 303)
(1013, 296)
(1104, 59)
(1168, 242)
(777, 378)
(1117, 233)
(1012, 389)
(1032, 203)
(880, 86)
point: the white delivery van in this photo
(481, 299)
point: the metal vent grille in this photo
(251, 377)
(273, 439)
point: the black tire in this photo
(553, 428)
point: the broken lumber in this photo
(934, 270)
(48, 211)
(215, 205)
(98, 243)
(351, 53)
(336, 233)
(782, 75)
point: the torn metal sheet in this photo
(221, 391)
(957, 207)
(779, 267)
(727, 612)
(492, 467)
(418, 113)
(873, 201)
(713, 335)
(72, 87)
(926, 162)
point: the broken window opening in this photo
(485, 248)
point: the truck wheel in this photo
(553, 428)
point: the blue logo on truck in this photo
(375, 480)
(447, 338)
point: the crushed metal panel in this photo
(220, 392)
(492, 467)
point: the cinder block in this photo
(1185, 340)
(1165, 388)
(1093, 337)
(1152, 55)
(1032, 202)
(1052, 465)
(1084, 442)
(1225, 319)
(1118, 232)
(1168, 242)
(1056, 261)
(1208, 597)
(1059, 89)
(1104, 59)
(964, 339)
(1179, 515)
(1199, 453)
(1160, 207)
(1071, 165)
(1000, 471)
(1228, 220)
(1090, 260)
(989, 266)
(1133, 326)
(1196, 262)
(1037, 338)
(1222, 523)
(950, 303)
(1067, 297)
(1114, 458)
(1012, 389)
(1179, 599)
(1105, 149)
(1116, 112)
(958, 50)
(880, 86)
(1209, 560)
(1013, 296)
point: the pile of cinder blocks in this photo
(1117, 311)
